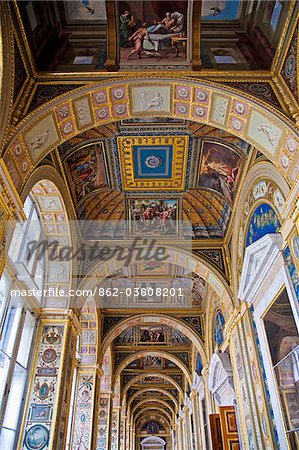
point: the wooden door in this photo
(229, 428)
(216, 432)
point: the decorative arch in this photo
(269, 130)
(157, 389)
(152, 374)
(263, 183)
(159, 418)
(156, 400)
(50, 173)
(161, 411)
(160, 353)
(140, 319)
(99, 272)
(54, 216)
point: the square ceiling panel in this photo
(150, 163)
(155, 160)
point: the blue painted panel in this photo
(199, 365)
(224, 10)
(218, 328)
(153, 161)
(263, 221)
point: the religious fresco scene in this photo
(149, 225)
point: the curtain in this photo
(162, 7)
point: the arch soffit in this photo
(160, 413)
(153, 402)
(48, 172)
(164, 319)
(191, 262)
(160, 353)
(269, 130)
(157, 389)
(163, 422)
(62, 276)
(152, 374)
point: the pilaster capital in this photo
(75, 321)
(99, 371)
(193, 395)
(205, 370)
(233, 320)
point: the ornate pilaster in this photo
(83, 409)
(50, 388)
(197, 420)
(181, 445)
(115, 428)
(104, 420)
(255, 420)
(122, 438)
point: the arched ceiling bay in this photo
(195, 169)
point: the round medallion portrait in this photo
(49, 355)
(37, 437)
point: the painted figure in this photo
(138, 38)
(124, 30)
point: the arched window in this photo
(218, 328)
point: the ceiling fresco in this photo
(78, 11)
(151, 34)
(220, 9)
(109, 178)
(151, 335)
(154, 115)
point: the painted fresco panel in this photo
(87, 170)
(153, 33)
(220, 169)
(263, 221)
(85, 10)
(149, 216)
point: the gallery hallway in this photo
(149, 225)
